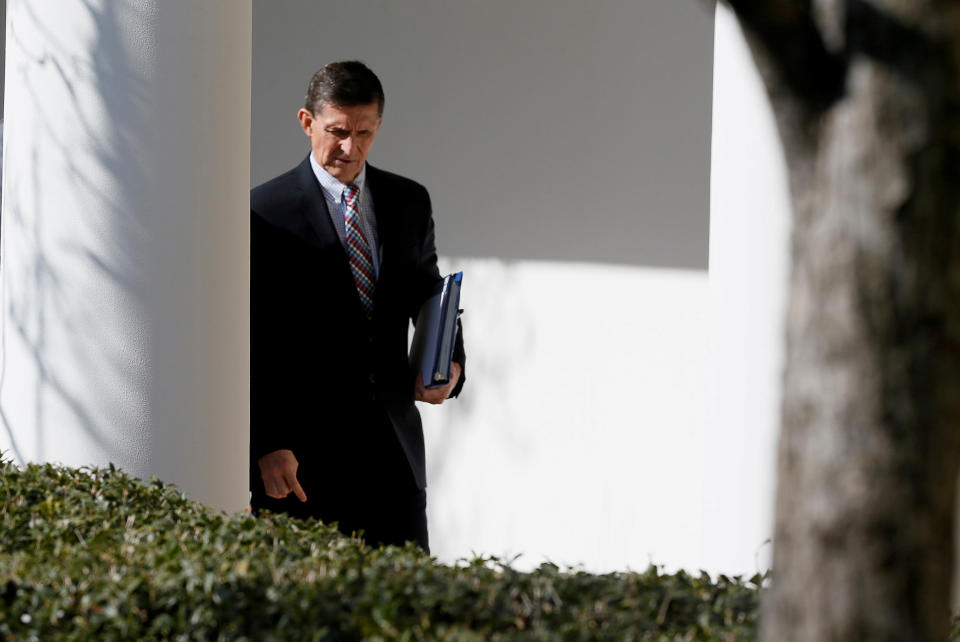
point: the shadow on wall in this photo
(497, 341)
(85, 118)
(544, 131)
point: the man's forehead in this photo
(349, 114)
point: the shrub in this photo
(93, 554)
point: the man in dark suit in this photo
(342, 257)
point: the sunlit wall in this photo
(124, 257)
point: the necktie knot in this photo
(351, 194)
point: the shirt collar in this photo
(332, 187)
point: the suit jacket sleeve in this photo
(430, 274)
(273, 425)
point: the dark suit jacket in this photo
(313, 352)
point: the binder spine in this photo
(441, 360)
(449, 308)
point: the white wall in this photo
(125, 260)
(664, 452)
(559, 131)
(579, 437)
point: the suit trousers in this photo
(362, 481)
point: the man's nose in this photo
(346, 146)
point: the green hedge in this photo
(92, 554)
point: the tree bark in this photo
(867, 101)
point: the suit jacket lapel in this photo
(383, 206)
(315, 207)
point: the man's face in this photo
(341, 137)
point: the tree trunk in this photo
(867, 99)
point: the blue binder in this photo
(433, 339)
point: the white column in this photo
(749, 262)
(125, 262)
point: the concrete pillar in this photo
(749, 265)
(125, 262)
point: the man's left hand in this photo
(439, 394)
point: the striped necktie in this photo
(358, 250)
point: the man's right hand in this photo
(279, 472)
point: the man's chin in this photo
(343, 172)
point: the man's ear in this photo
(306, 120)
